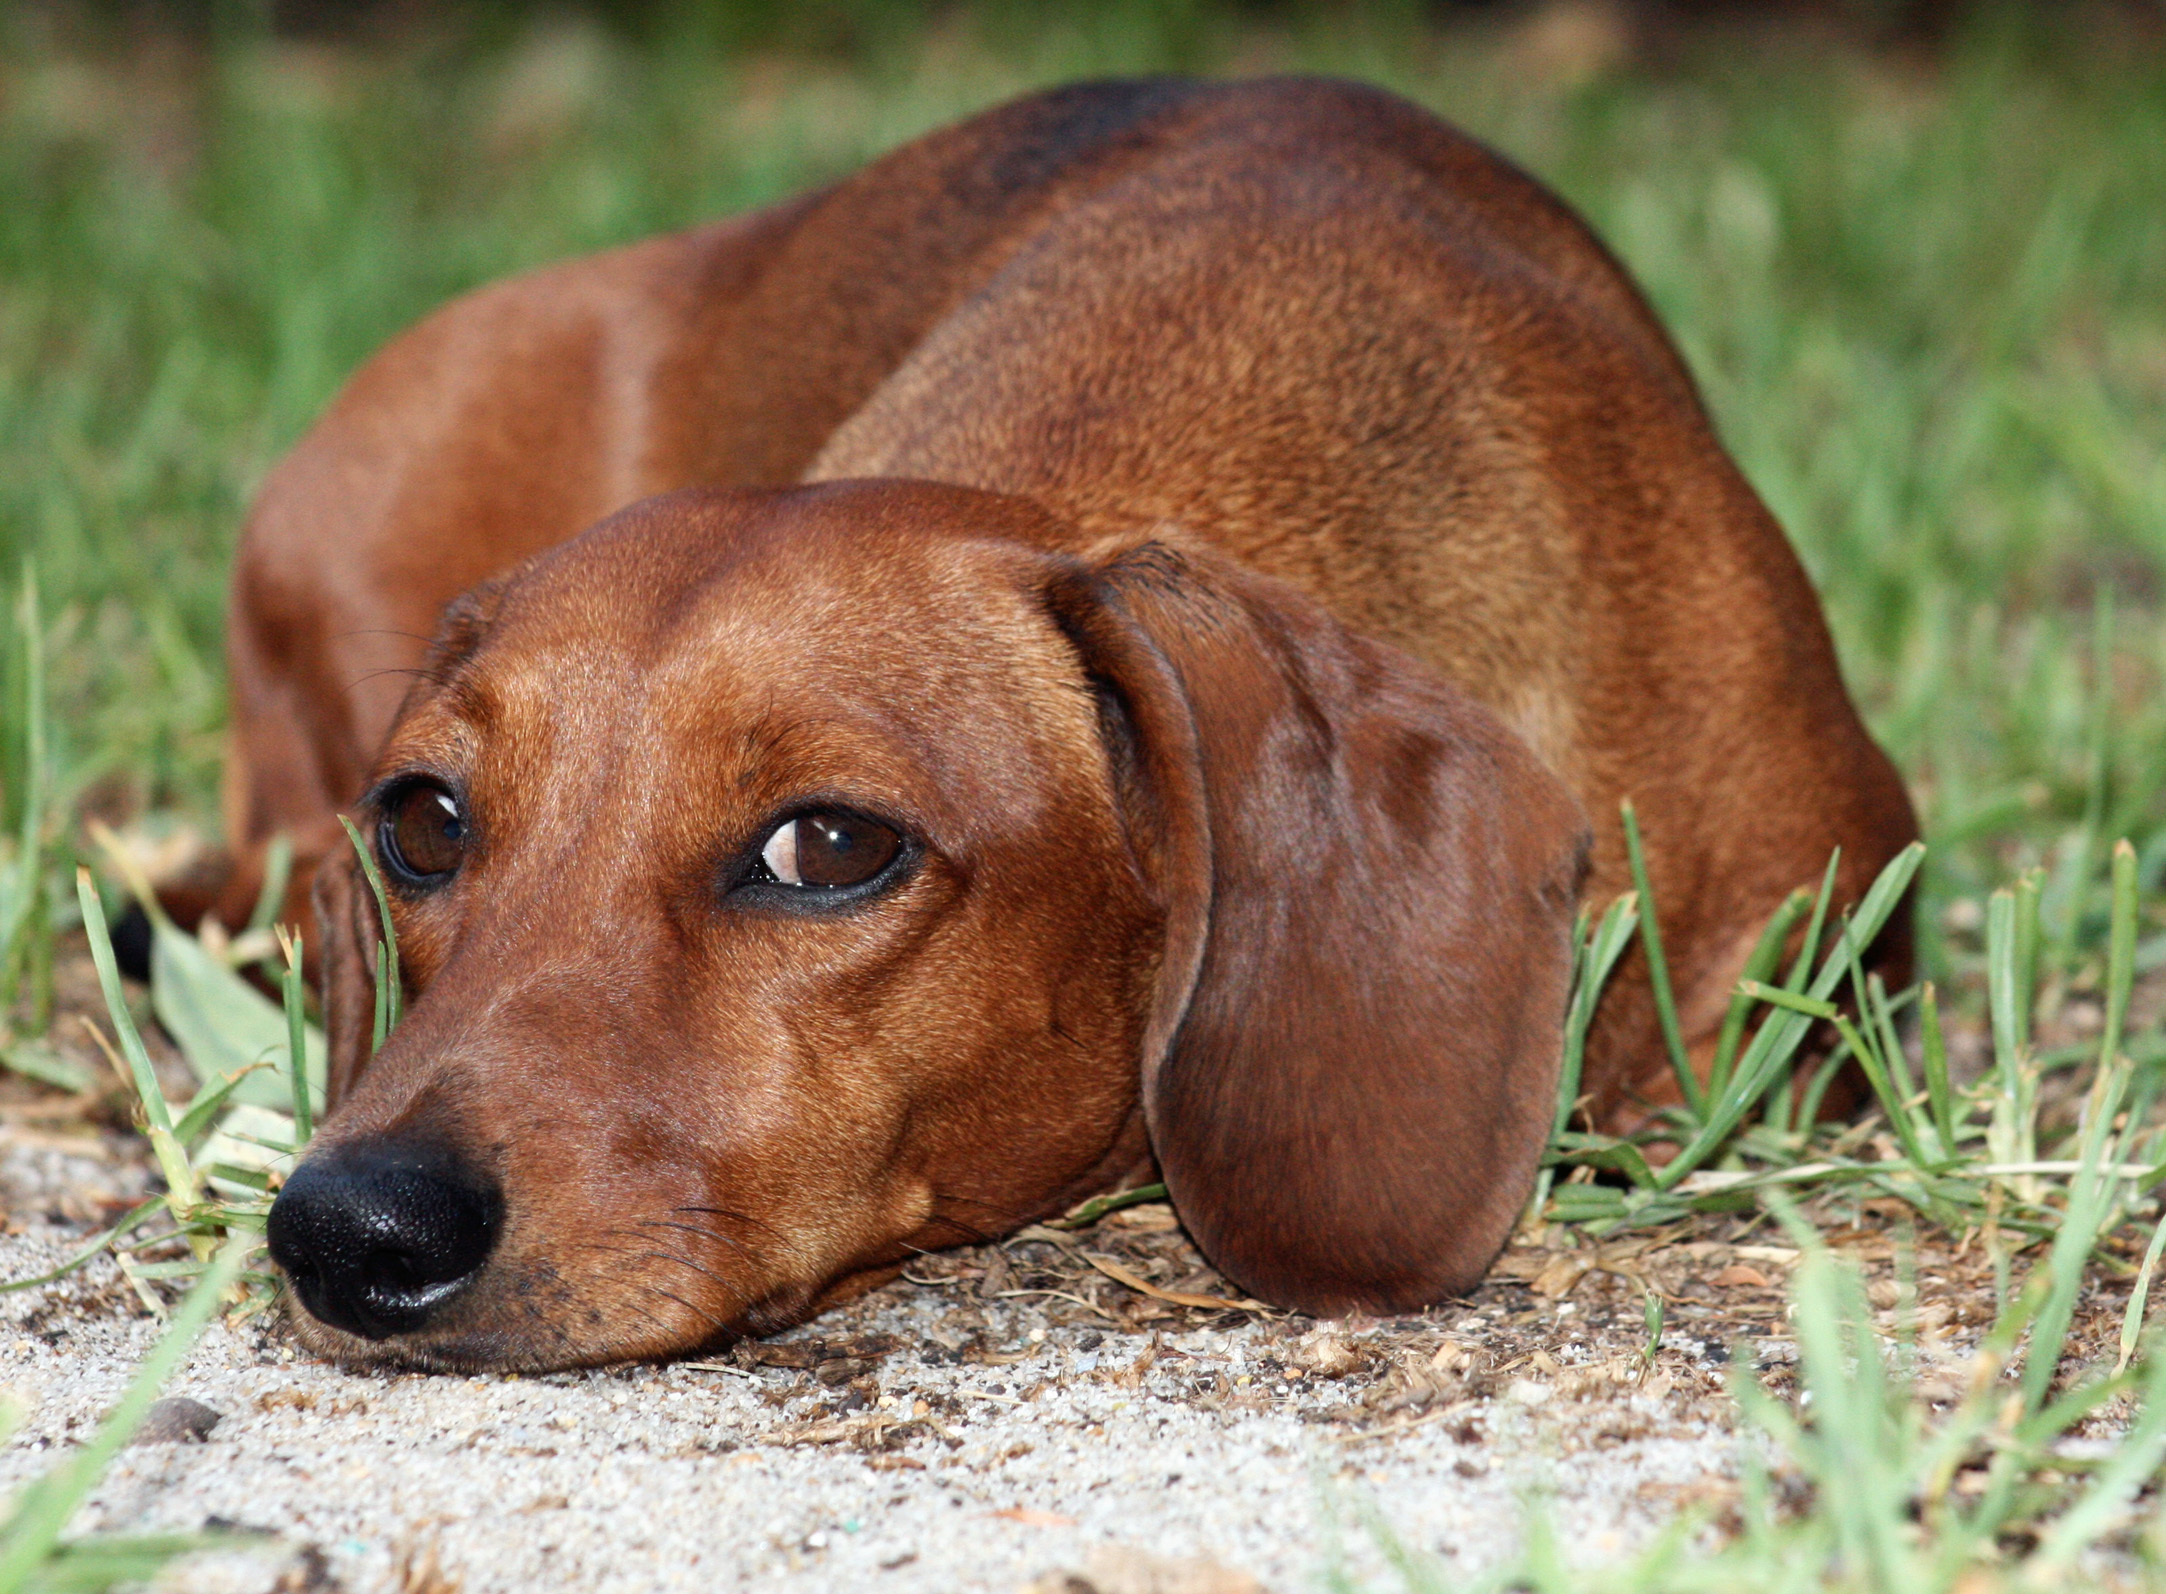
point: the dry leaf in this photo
(1327, 1353)
(1563, 1273)
(1451, 1357)
(1738, 1274)
(1210, 1303)
(1032, 1518)
(1153, 1217)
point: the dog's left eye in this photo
(829, 849)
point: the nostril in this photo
(376, 1235)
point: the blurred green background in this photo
(1915, 251)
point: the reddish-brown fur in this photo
(1254, 538)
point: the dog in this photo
(1108, 645)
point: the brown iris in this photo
(829, 849)
(422, 836)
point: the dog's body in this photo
(1358, 540)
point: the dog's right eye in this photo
(422, 837)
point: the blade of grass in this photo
(1934, 1047)
(1599, 955)
(389, 992)
(95, 1247)
(25, 938)
(2139, 1297)
(172, 1158)
(1877, 1008)
(304, 1123)
(277, 871)
(2121, 952)
(1801, 968)
(206, 1103)
(1098, 1206)
(1658, 970)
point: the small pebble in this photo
(177, 1420)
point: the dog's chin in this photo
(471, 1343)
(571, 1338)
(457, 1351)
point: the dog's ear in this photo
(348, 930)
(1369, 883)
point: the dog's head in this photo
(787, 882)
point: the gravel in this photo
(937, 1436)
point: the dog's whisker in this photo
(726, 1212)
(693, 1228)
(719, 1326)
(637, 1279)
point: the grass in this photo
(1926, 301)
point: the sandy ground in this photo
(1006, 1419)
(965, 1431)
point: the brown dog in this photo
(1154, 587)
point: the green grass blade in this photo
(220, 1021)
(2120, 953)
(381, 1028)
(2030, 896)
(304, 1114)
(1097, 1207)
(1809, 949)
(389, 992)
(172, 1158)
(1881, 1012)
(277, 871)
(2139, 1296)
(23, 936)
(1774, 1047)
(95, 1247)
(1658, 970)
(1934, 1046)
(1597, 960)
(207, 1103)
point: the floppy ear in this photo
(1350, 1065)
(348, 930)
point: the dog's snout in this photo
(377, 1235)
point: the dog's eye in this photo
(422, 836)
(829, 849)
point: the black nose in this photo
(377, 1234)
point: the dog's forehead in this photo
(821, 626)
(886, 588)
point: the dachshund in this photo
(1106, 646)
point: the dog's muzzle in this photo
(377, 1235)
